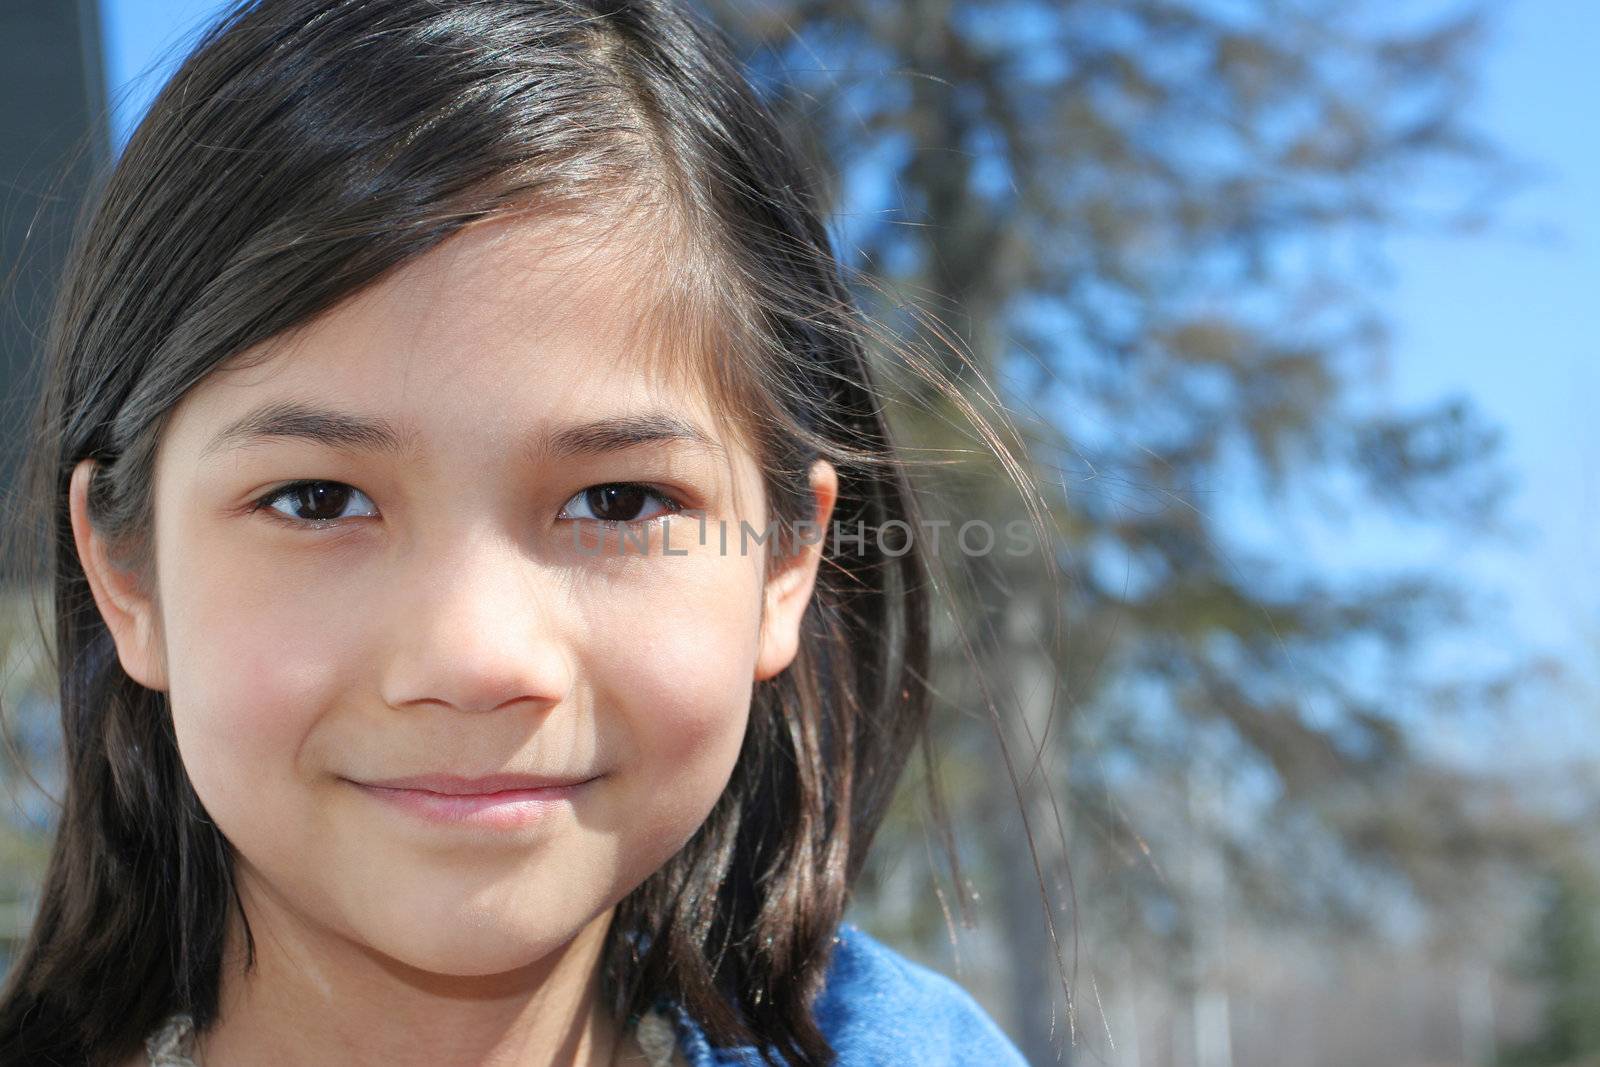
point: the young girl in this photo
(418, 382)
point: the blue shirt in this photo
(879, 1008)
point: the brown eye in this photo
(311, 502)
(618, 502)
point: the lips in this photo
(459, 786)
(496, 802)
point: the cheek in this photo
(250, 668)
(679, 668)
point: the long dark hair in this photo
(305, 149)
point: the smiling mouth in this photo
(500, 809)
(460, 785)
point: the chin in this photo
(467, 951)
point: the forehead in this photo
(510, 320)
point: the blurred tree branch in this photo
(1149, 229)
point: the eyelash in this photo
(265, 501)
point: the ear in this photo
(129, 611)
(789, 584)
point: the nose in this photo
(476, 629)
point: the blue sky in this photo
(1508, 319)
(1513, 319)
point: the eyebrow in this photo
(348, 432)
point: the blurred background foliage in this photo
(1200, 812)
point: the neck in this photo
(319, 999)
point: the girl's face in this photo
(436, 604)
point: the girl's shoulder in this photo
(878, 1007)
